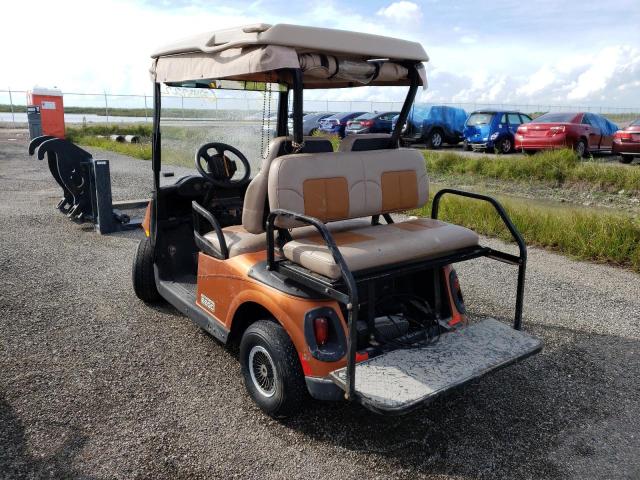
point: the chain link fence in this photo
(103, 108)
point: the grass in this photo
(585, 234)
(143, 131)
(555, 167)
(97, 136)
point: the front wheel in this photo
(626, 158)
(143, 277)
(271, 369)
(435, 139)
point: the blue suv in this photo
(434, 125)
(493, 130)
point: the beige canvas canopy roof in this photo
(328, 58)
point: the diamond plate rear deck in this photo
(399, 380)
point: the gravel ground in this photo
(95, 384)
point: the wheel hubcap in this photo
(506, 146)
(436, 140)
(262, 371)
(580, 149)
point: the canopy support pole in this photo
(283, 114)
(297, 105)
(406, 107)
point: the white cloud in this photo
(468, 39)
(401, 11)
(538, 81)
(599, 73)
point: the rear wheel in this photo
(504, 146)
(144, 280)
(626, 158)
(271, 369)
(435, 139)
(581, 149)
(313, 132)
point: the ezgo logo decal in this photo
(207, 303)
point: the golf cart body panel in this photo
(309, 242)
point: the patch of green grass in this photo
(136, 150)
(334, 139)
(582, 233)
(142, 130)
(556, 167)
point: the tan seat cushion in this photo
(380, 245)
(343, 185)
(239, 241)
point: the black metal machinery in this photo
(86, 185)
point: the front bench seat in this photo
(239, 241)
(338, 186)
(360, 142)
(250, 237)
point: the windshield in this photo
(555, 118)
(480, 118)
(192, 117)
(635, 123)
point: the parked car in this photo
(434, 125)
(584, 132)
(336, 124)
(310, 122)
(371, 123)
(626, 142)
(493, 130)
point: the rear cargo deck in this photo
(402, 379)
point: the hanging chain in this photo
(266, 113)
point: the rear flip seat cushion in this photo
(380, 245)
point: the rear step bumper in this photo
(400, 380)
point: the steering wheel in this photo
(220, 168)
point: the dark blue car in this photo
(493, 130)
(336, 124)
(371, 123)
(434, 125)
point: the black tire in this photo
(435, 139)
(528, 152)
(144, 281)
(313, 132)
(504, 146)
(626, 158)
(581, 149)
(277, 384)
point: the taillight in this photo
(622, 135)
(366, 123)
(321, 330)
(556, 130)
(522, 129)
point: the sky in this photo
(553, 52)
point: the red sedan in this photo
(584, 132)
(626, 142)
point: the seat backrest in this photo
(255, 208)
(343, 185)
(364, 142)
